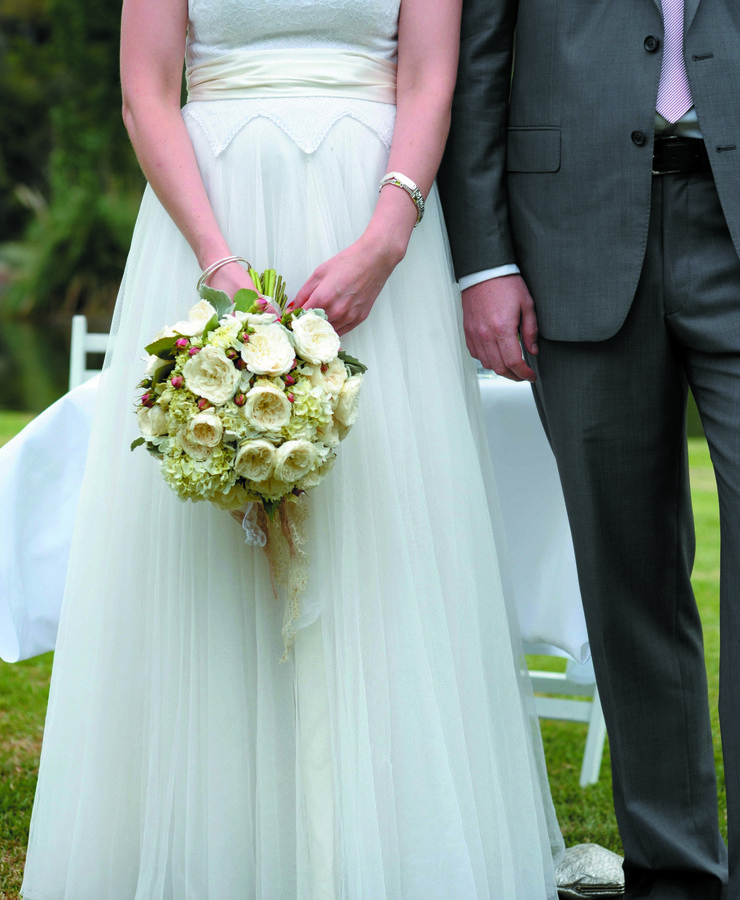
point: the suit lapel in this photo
(691, 7)
(690, 11)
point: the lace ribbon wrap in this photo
(283, 538)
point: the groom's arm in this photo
(472, 174)
(472, 183)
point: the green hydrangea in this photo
(182, 405)
(226, 336)
(312, 411)
(194, 479)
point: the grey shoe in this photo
(588, 870)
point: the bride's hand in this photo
(231, 278)
(347, 285)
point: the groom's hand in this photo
(495, 313)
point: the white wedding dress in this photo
(392, 757)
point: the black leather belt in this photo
(672, 154)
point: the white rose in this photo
(211, 374)
(317, 475)
(153, 363)
(315, 339)
(198, 317)
(167, 331)
(266, 408)
(152, 421)
(349, 401)
(196, 451)
(329, 435)
(255, 460)
(294, 459)
(254, 318)
(335, 376)
(205, 429)
(272, 488)
(331, 379)
(269, 350)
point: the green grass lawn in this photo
(585, 814)
(24, 689)
(11, 423)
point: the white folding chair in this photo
(577, 681)
(84, 342)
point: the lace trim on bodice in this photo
(306, 121)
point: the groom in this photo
(607, 173)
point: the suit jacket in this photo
(551, 168)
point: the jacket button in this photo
(651, 43)
(638, 138)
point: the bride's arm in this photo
(152, 53)
(347, 285)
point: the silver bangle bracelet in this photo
(397, 179)
(214, 267)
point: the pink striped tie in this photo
(674, 91)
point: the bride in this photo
(391, 757)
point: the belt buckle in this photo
(665, 139)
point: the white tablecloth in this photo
(40, 476)
(41, 472)
(543, 569)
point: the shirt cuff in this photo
(469, 280)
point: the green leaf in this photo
(219, 300)
(162, 373)
(164, 348)
(243, 299)
(211, 325)
(354, 365)
(316, 310)
(137, 443)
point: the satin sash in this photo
(293, 73)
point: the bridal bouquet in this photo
(244, 405)
(245, 402)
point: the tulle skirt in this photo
(391, 756)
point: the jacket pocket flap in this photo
(533, 150)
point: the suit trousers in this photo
(615, 414)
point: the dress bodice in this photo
(217, 27)
(222, 28)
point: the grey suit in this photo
(636, 282)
